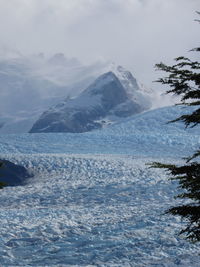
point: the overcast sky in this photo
(133, 33)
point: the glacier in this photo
(93, 201)
(146, 134)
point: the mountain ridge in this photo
(104, 98)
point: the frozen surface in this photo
(145, 135)
(98, 210)
(93, 201)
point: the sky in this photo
(136, 34)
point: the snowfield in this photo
(93, 200)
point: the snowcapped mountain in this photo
(29, 86)
(108, 99)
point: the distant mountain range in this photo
(61, 95)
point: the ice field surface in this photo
(93, 200)
(146, 134)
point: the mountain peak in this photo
(101, 81)
(106, 99)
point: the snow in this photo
(31, 85)
(93, 200)
(134, 89)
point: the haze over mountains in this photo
(29, 86)
(33, 86)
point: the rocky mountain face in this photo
(31, 85)
(35, 88)
(110, 98)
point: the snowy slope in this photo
(136, 90)
(106, 100)
(30, 85)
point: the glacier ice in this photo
(93, 201)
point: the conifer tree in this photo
(184, 80)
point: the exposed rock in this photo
(108, 98)
(12, 174)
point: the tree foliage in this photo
(188, 176)
(183, 78)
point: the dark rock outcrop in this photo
(12, 174)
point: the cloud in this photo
(134, 33)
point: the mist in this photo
(134, 33)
